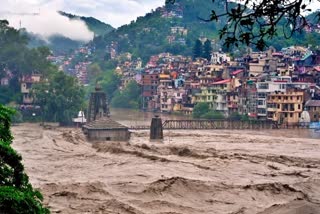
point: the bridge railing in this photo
(211, 124)
(216, 124)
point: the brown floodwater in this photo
(133, 118)
(141, 118)
(189, 172)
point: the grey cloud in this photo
(114, 12)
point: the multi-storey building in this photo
(170, 99)
(150, 82)
(248, 99)
(285, 107)
(26, 85)
(265, 88)
(232, 102)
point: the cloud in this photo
(48, 22)
(41, 17)
(114, 12)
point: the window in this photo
(282, 86)
(291, 114)
(263, 86)
(260, 102)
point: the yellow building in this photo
(206, 95)
(285, 107)
(211, 94)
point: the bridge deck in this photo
(211, 124)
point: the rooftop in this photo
(313, 103)
(105, 123)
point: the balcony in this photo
(272, 109)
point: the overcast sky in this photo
(114, 12)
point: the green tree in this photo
(94, 71)
(254, 22)
(16, 193)
(235, 116)
(197, 49)
(60, 98)
(130, 97)
(200, 109)
(16, 57)
(213, 115)
(110, 83)
(207, 49)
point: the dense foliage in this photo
(16, 193)
(255, 22)
(62, 45)
(202, 50)
(197, 49)
(202, 110)
(96, 26)
(130, 97)
(151, 34)
(61, 97)
(148, 35)
(207, 49)
(17, 60)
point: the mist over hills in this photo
(96, 26)
(62, 44)
(172, 28)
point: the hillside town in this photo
(270, 85)
(280, 86)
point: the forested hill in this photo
(154, 33)
(94, 25)
(56, 43)
(63, 45)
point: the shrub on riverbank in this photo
(16, 193)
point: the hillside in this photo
(57, 43)
(171, 28)
(174, 28)
(63, 45)
(94, 25)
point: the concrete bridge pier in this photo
(156, 129)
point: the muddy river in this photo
(189, 172)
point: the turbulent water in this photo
(189, 172)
